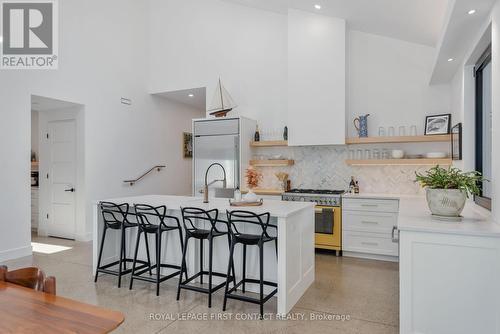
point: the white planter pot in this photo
(446, 202)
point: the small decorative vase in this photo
(361, 125)
(446, 202)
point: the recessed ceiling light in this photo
(450, 59)
(318, 7)
(472, 11)
(191, 95)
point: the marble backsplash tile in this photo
(324, 167)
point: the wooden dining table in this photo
(24, 310)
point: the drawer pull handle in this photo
(393, 234)
(369, 222)
(370, 205)
(369, 243)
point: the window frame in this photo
(483, 61)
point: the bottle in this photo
(352, 185)
(356, 188)
(285, 133)
(256, 137)
(237, 194)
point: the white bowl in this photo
(436, 155)
(398, 154)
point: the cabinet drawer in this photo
(375, 205)
(371, 243)
(364, 221)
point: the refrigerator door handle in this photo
(237, 162)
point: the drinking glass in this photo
(413, 130)
(402, 130)
(376, 154)
(368, 154)
(391, 131)
(352, 154)
(381, 131)
(385, 153)
(359, 154)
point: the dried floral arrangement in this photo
(253, 177)
(282, 176)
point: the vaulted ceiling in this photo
(417, 21)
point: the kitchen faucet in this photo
(224, 183)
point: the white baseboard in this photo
(15, 253)
(84, 237)
(371, 256)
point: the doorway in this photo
(57, 153)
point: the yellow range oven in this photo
(328, 227)
(328, 215)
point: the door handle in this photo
(393, 234)
(71, 190)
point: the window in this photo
(483, 126)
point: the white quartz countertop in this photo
(280, 209)
(414, 215)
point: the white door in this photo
(62, 178)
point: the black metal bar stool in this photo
(115, 217)
(239, 218)
(189, 216)
(153, 220)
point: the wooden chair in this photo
(31, 277)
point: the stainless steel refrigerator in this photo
(225, 141)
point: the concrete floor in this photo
(362, 293)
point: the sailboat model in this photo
(222, 102)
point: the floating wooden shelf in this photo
(275, 192)
(271, 163)
(269, 143)
(399, 162)
(399, 139)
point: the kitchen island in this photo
(293, 270)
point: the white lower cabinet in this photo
(369, 228)
(449, 283)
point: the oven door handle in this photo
(320, 209)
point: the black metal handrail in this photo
(132, 182)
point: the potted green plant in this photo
(448, 189)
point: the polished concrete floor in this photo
(348, 296)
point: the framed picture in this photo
(187, 146)
(456, 142)
(437, 124)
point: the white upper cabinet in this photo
(316, 79)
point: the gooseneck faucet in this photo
(224, 182)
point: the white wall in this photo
(247, 47)
(103, 56)
(389, 79)
(463, 106)
(193, 42)
(316, 79)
